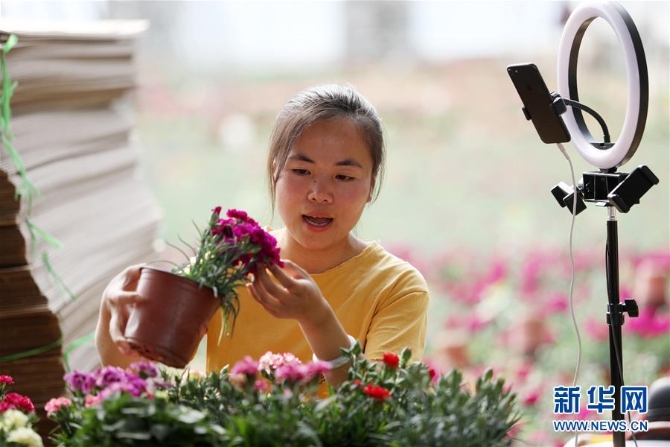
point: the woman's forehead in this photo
(339, 141)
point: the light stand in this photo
(607, 187)
(616, 191)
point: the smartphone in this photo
(537, 103)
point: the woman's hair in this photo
(322, 103)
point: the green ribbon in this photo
(88, 338)
(27, 190)
(32, 352)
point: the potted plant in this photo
(276, 401)
(114, 406)
(184, 299)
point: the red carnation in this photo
(391, 360)
(376, 392)
(15, 401)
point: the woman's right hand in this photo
(118, 299)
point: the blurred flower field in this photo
(512, 315)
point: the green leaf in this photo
(11, 41)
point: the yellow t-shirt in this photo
(379, 299)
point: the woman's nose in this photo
(320, 192)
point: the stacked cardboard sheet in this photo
(72, 125)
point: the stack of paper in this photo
(72, 126)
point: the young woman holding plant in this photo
(325, 165)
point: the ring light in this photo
(602, 156)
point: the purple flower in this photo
(109, 375)
(144, 369)
(133, 388)
(161, 384)
(83, 382)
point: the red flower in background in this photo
(391, 360)
(376, 392)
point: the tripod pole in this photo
(615, 321)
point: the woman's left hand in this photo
(294, 294)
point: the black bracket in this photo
(607, 188)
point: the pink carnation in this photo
(246, 366)
(91, 400)
(648, 324)
(262, 386)
(55, 404)
(6, 380)
(292, 373)
(270, 361)
(319, 368)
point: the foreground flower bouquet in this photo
(114, 407)
(176, 306)
(277, 401)
(17, 416)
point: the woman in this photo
(325, 164)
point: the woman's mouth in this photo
(319, 222)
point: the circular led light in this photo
(638, 83)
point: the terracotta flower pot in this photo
(167, 325)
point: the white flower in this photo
(12, 419)
(25, 436)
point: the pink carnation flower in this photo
(292, 373)
(90, 400)
(270, 361)
(262, 386)
(55, 404)
(246, 366)
(648, 324)
(319, 368)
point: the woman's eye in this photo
(344, 178)
(300, 171)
